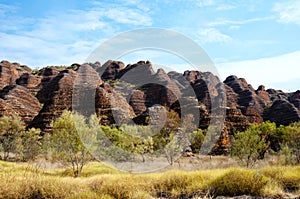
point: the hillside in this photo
(40, 96)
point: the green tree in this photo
(248, 146)
(291, 142)
(11, 129)
(167, 133)
(172, 148)
(267, 130)
(128, 140)
(136, 139)
(31, 144)
(68, 132)
(198, 140)
(168, 138)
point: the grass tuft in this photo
(238, 182)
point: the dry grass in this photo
(101, 181)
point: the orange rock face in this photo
(120, 94)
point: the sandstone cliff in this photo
(124, 94)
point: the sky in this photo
(256, 40)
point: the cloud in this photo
(37, 53)
(212, 35)
(216, 4)
(9, 21)
(4, 9)
(273, 72)
(223, 7)
(204, 3)
(64, 26)
(129, 12)
(289, 12)
(224, 22)
(129, 16)
(64, 38)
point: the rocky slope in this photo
(123, 94)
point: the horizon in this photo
(257, 41)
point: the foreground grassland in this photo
(101, 181)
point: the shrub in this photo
(248, 146)
(239, 182)
(69, 132)
(287, 177)
(11, 129)
(31, 144)
(198, 140)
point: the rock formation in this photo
(56, 96)
(8, 73)
(295, 99)
(282, 112)
(17, 100)
(119, 94)
(248, 101)
(110, 70)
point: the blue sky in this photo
(258, 40)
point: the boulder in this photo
(57, 97)
(30, 81)
(248, 101)
(110, 70)
(8, 74)
(47, 75)
(282, 112)
(111, 107)
(84, 90)
(191, 76)
(137, 102)
(157, 87)
(18, 100)
(262, 93)
(295, 99)
(277, 95)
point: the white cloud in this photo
(8, 19)
(223, 22)
(4, 9)
(63, 38)
(67, 26)
(289, 12)
(129, 16)
(223, 7)
(39, 53)
(274, 71)
(219, 5)
(204, 3)
(211, 35)
(62, 27)
(129, 12)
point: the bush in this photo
(198, 140)
(287, 177)
(123, 143)
(291, 139)
(248, 146)
(11, 129)
(239, 182)
(72, 140)
(31, 144)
